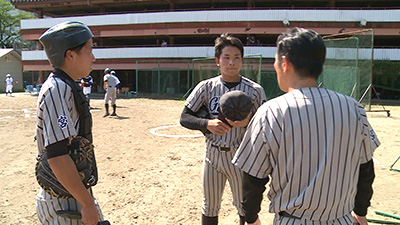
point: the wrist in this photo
(88, 203)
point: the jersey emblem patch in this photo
(372, 135)
(62, 121)
(213, 105)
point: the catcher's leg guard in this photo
(206, 220)
(114, 108)
(242, 220)
(107, 113)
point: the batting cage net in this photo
(170, 77)
(205, 68)
(348, 64)
(270, 84)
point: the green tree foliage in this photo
(10, 25)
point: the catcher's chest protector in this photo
(80, 149)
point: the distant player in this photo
(9, 84)
(86, 84)
(68, 47)
(222, 140)
(118, 81)
(314, 144)
(111, 86)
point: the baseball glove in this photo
(234, 105)
(82, 153)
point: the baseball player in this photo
(316, 145)
(68, 47)
(86, 84)
(223, 139)
(115, 77)
(9, 84)
(111, 85)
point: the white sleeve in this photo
(57, 122)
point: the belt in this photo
(285, 214)
(110, 86)
(222, 149)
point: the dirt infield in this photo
(151, 177)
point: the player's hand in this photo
(216, 126)
(362, 220)
(257, 222)
(241, 123)
(90, 215)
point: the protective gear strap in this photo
(85, 117)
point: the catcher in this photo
(62, 115)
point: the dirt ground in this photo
(147, 178)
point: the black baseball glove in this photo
(82, 153)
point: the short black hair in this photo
(77, 49)
(227, 40)
(304, 48)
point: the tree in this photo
(10, 25)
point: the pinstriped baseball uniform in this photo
(311, 142)
(217, 164)
(57, 119)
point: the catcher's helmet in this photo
(61, 37)
(107, 70)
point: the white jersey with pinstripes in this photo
(311, 142)
(208, 92)
(57, 119)
(57, 115)
(217, 167)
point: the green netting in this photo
(348, 64)
(206, 68)
(269, 82)
(170, 77)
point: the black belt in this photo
(222, 149)
(285, 214)
(110, 86)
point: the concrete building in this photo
(128, 34)
(10, 63)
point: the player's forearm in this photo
(190, 121)
(67, 174)
(253, 189)
(364, 188)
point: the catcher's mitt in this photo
(82, 153)
(234, 105)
